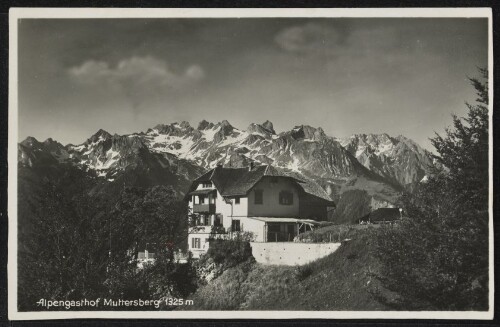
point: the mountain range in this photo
(176, 153)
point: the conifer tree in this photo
(437, 258)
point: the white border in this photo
(17, 13)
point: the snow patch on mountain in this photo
(209, 134)
(398, 159)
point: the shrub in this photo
(302, 272)
(229, 253)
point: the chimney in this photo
(219, 165)
(250, 167)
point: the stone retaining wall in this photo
(291, 253)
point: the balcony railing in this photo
(200, 229)
(199, 208)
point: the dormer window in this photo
(286, 198)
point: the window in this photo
(259, 196)
(205, 220)
(195, 243)
(235, 226)
(286, 198)
(237, 200)
(207, 185)
(202, 199)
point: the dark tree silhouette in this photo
(437, 259)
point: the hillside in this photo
(344, 280)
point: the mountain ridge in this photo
(382, 164)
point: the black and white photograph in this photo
(239, 163)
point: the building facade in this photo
(267, 203)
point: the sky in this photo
(401, 76)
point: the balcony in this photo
(204, 208)
(200, 229)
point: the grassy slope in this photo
(341, 281)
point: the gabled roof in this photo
(240, 185)
(204, 191)
(239, 181)
(205, 177)
(313, 188)
(226, 179)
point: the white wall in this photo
(254, 226)
(290, 253)
(223, 208)
(271, 206)
(240, 210)
(203, 244)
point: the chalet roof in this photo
(229, 181)
(382, 214)
(313, 188)
(242, 183)
(205, 177)
(205, 191)
(239, 181)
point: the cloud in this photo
(139, 78)
(319, 39)
(308, 38)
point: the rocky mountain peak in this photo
(172, 129)
(99, 135)
(31, 142)
(259, 129)
(185, 125)
(203, 125)
(225, 129)
(224, 123)
(269, 126)
(308, 132)
(398, 159)
(52, 145)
